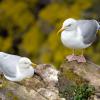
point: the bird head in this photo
(68, 25)
(26, 63)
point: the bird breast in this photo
(73, 39)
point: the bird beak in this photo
(33, 65)
(62, 29)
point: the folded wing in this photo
(88, 30)
(8, 64)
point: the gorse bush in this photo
(83, 92)
(78, 92)
(29, 27)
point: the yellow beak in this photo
(34, 65)
(62, 29)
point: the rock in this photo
(72, 73)
(48, 74)
(48, 83)
(14, 91)
(39, 87)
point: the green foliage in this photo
(31, 27)
(32, 40)
(15, 18)
(83, 92)
(16, 14)
(78, 92)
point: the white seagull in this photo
(78, 34)
(16, 68)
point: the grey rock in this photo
(48, 82)
(41, 86)
(72, 73)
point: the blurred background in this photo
(29, 27)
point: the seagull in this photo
(78, 34)
(16, 68)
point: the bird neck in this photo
(25, 71)
(69, 33)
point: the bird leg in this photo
(72, 57)
(81, 58)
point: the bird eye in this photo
(69, 25)
(25, 62)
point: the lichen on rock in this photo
(49, 83)
(42, 86)
(80, 75)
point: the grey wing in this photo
(88, 29)
(8, 64)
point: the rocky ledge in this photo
(74, 73)
(49, 83)
(42, 86)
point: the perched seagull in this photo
(78, 34)
(15, 68)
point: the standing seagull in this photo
(78, 34)
(15, 68)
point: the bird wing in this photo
(8, 64)
(88, 30)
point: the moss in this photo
(11, 95)
(3, 84)
(83, 92)
(73, 77)
(78, 92)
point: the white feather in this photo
(71, 37)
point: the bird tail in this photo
(98, 25)
(0, 71)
